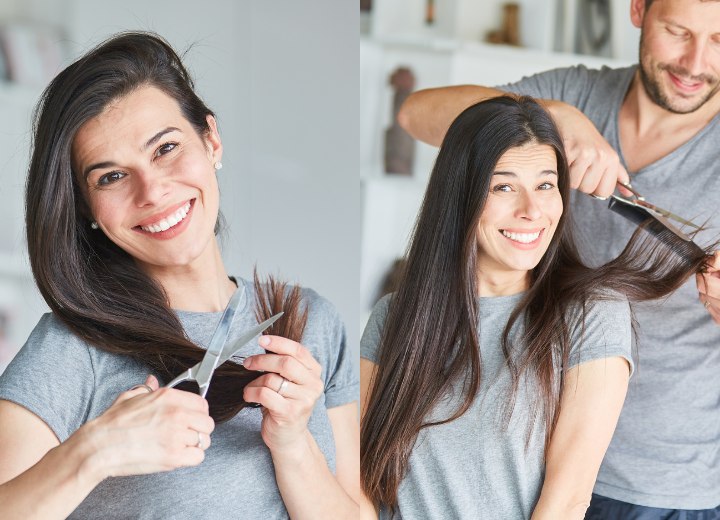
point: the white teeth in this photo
(169, 221)
(524, 238)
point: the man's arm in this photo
(427, 114)
(595, 166)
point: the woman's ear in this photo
(213, 140)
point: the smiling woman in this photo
(149, 177)
(122, 208)
(493, 378)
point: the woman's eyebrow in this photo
(154, 139)
(513, 174)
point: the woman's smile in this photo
(523, 239)
(150, 179)
(522, 210)
(169, 223)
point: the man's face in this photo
(679, 52)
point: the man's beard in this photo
(655, 92)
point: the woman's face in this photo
(522, 210)
(149, 178)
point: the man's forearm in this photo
(427, 114)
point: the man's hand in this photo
(595, 166)
(708, 284)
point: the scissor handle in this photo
(185, 376)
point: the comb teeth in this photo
(663, 231)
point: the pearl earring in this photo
(94, 225)
(218, 165)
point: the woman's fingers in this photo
(148, 431)
(287, 366)
(152, 382)
(286, 389)
(291, 348)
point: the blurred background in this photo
(282, 77)
(408, 45)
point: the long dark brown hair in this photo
(434, 313)
(92, 285)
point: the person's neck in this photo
(203, 286)
(502, 284)
(649, 132)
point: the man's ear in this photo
(637, 12)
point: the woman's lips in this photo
(523, 239)
(154, 227)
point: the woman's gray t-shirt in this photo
(66, 383)
(472, 468)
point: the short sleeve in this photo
(568, 84)
(52, 376)
(605, 332)
(372, 334)
(325, 334)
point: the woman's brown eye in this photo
(109, 178)
(165, 148)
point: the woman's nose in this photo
(150, 187)
(529, 207)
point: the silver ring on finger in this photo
(199, 442)
(706, 304)
(142, 385)
(282, 386)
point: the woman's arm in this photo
(367, 372)
(308, 487)
(140, 433)
(590, 405)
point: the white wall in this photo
(282, 77)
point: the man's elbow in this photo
(405, 116)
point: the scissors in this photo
(640, 200)
(218, 351)
(638, 206)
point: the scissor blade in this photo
(214, 349)
(231, 348)
(668, 214)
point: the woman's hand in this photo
(287, 406)
(147, 431)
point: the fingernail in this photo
(264, 341)
(247, 362)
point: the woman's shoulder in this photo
(603, 329)
(608, 304)
(52, 332)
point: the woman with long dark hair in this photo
(492, 380)
(122, 207)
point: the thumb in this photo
(150, 385)
(152, 382)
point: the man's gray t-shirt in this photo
(472, 467)
(666, 448)
(66, 383)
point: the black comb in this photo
(655, 224)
